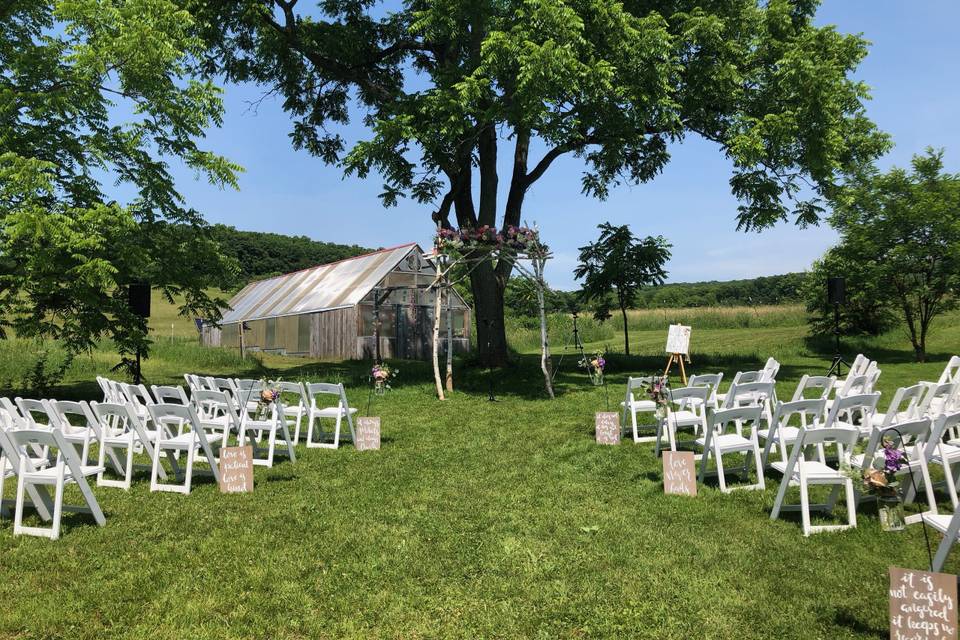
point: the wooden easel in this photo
(678, 358)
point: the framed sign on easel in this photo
(678, 348)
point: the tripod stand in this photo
(836, 367)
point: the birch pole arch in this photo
(467, 249)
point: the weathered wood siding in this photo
(334, 334)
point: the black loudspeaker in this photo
(837, 290)
(139, 299)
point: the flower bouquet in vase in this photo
(658, 392)
(880, 480)
(594, 365)
(381, 374)
(265, 403)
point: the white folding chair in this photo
(769, 371)
(37, 413)
(857, 368)
(66, 470)
(951, 372)
(294, 412)
(761, 393)
(78, 424)
(711, 381)
(937, 399)
(122, 429)
(740, 377)
(10, 415)
(814, 388)
(171, 394)
(686, 407)
(10, 466)
(718, 441)
(217, 415)
(904, 406)
(910, 438)
(803, 472)
(944, 453)
(844, 411)
(336, 413)
(781, 434)
(273, 426)
(191, 442)
(636, 402)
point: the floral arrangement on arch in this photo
(519, 239)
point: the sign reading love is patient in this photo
(236, 469)
(678, 473)
(608, 427)
(923, 605)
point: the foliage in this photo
(904, 227)
(442, 86)
(866, 311)
(620, 263)
(93, 91)
(263, 255)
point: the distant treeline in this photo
(520, 296)
(262, 255)
(764, 290)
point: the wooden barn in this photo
(329, 311)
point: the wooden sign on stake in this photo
(368, 434)
(679, 477)
(607, 427)
(923, 605)
(236, 469)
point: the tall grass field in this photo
(476, 519)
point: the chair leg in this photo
(759, 463)
(804, 506)
(720, 473)
(156, 465)
(851, 503)
(951, 485)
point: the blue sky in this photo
(912, 69)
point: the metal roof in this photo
(328, 286)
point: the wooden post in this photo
(242, 351)
(538, 265)
(437, 308)
(376, 326)
(449, 335)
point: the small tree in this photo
(867, 310)
(620, 263)
(906, 228)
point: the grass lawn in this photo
(476, 519)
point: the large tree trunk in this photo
(488, 300)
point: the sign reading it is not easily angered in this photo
(923, 605)
(368, 434)
(236, 469)
(608, 427)
(679, 477)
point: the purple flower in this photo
(893, 459)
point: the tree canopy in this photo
(95, 91)
(618, 264)
(901, 230)
(444, 85)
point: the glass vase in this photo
(380, 387)
(890, 509)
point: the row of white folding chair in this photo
(309, 405)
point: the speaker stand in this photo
(836, 367)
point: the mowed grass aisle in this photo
(476, 519)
